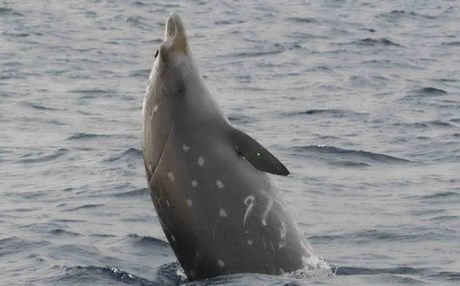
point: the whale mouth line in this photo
(163, 148)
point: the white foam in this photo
(313, 267)
(181, 273)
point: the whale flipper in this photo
(257, 155)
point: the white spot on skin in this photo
(189, 202)
(200, 161)
(219, 184)
(167, 203)
(194, 183)
(173, 238)
(155, 109)
(171, 176)
(220, 263)
(185, 147)
(250, 241)
(222, 213)
(249, 201)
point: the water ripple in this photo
(335, 155)
(376, 42)
(40, 158)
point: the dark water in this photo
(360, 99)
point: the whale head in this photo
(176, 94)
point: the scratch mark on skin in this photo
(249, 201)
(282, 230)
(267, 211)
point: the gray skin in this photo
(219, 211)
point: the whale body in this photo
(219, 210)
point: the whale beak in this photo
(175, 32)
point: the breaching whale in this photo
(219, 210)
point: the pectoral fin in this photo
(257, 155)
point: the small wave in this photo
(138, 3)
(241, 118)
(445, 217)
(229, 22)
(142, 73)
(60, 231)
(343, 156)
(39, 106)
(427, 124)
(442, 195)
(432, 90)
(133, 193)
(98, 276)
(455, 43)
(87, 206)
(338, 113)
(259, 51)
(400, 14)
(129, 153)
(9, 12)
(341, 270)
(93, 93)
(440, 123)
(376, 235)
(147, 241)
(302, 20)
(80, 136)
(14, 244)
(139, 22)
(425, 92)
(376, 42)
(38, 158)
(447, 275)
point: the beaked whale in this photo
(219, 210)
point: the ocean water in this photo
(359, 99)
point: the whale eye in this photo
(156, 54)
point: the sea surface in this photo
(359, 99)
